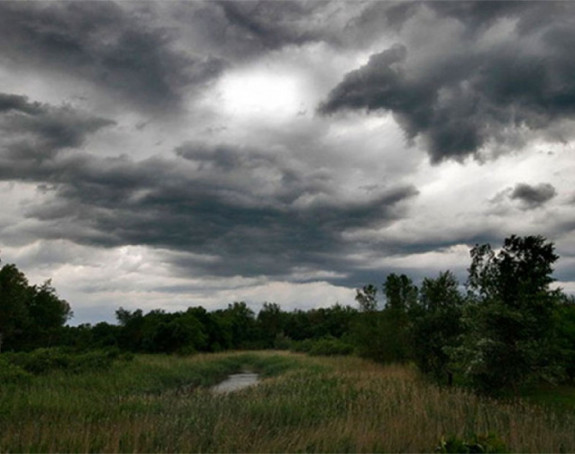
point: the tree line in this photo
(501, 329)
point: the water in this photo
(236, 382)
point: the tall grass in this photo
(336, 404)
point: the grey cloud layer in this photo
(31, 130)
(99, 42)
(249, 210)
(463, 75)
(533, 196)
(476, 91)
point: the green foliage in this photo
(436, 325)
(564, 322)
(384, 335)
(12, 373)
(509, 321)
(30, 316)
(474, 444)
(330, 346)
(282, 342)
(271, 323)
(162, 403)
(326, 346)
(400, 293)
(14, 296)
(45, 360)
(367, 298)
(161, 332)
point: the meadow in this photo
(313, 404)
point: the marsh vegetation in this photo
(314, 404)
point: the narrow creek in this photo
(236, 382)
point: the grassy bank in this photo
(162, 404)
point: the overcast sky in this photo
(174, 154)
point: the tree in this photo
(270, 322)
(14, 295)
(383, 335)
(436, 325)
(30, 316)
(47, 314)
(367, 298)
(401, 296)
(565, 333)
(509, 321)
(242, 323)
(400, 293)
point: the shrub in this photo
(10, 373)
(330, 346)
(44, 360)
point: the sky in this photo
(161, 155)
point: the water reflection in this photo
(236, 382)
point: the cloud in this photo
(117, 50)
(271, 24)
(31, 130)
(533, 196)
(249, 212)
(17, 103)
(508, 69)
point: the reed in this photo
(336, 404)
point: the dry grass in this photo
(316, 405)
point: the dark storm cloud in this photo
(237, 30)
(239, 206)
(473, 93)
(271, 24)
(31, 130)
(10, 102)
(533, 196)
(100, 42)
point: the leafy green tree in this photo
(400, 293)
(367, 298)
(401, 296)
(14, 296)
(132, 332)
(47, 313)
(384, 335)
(436, 325)
(242, 323)
(171, 333)
(565, 333)
(30, 316)
(218, 335)
(270, 321)
(366, 331)
(509, 322)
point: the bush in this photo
(303, 346)
(45, 360)
(330, 346)
(10, 373)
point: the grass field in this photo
(336, 404)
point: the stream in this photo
(236, 382)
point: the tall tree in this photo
(509, 338)
(400, 293)
(47, 314)
(14, 295)
(271, 321)
(30, 316)
(436, 325)
(367, 298)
